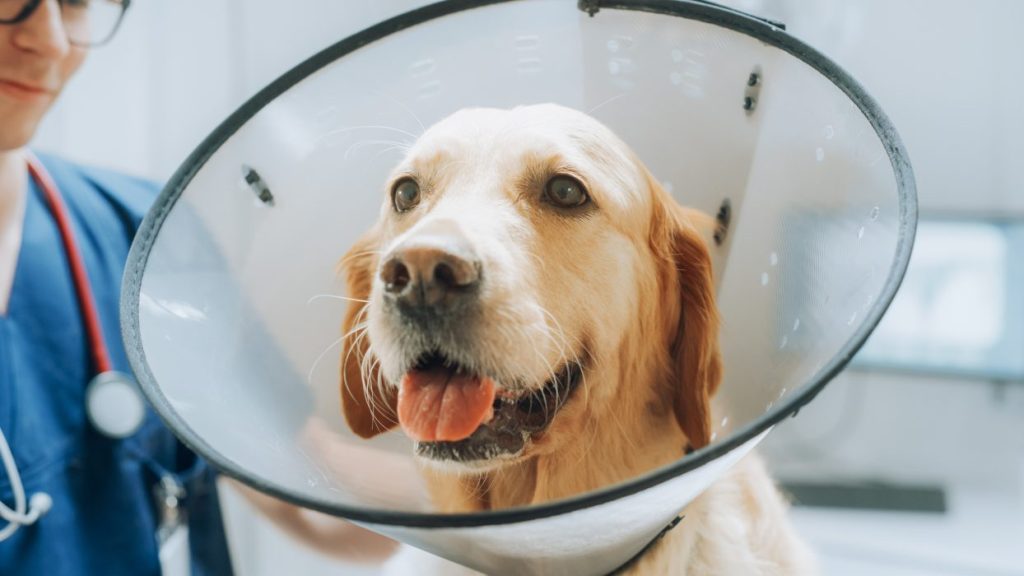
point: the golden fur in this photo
(625, 286)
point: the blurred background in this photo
(909, 463)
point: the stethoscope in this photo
(113, 403)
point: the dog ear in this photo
(678, 240)
(369, 407)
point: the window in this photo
(960, 310)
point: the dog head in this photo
(527, 278)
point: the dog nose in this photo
(431, 272)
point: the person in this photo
(74, 498)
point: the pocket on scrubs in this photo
(159, 453)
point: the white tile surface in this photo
(981, 534)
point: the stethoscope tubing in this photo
(79, 276)
(27, 510)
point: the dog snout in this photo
(433, 272)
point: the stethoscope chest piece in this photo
(114, 405)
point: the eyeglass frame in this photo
(31, 6)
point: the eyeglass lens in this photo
(86, 22)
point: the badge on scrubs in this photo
(172, 534)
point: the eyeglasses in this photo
(87, 23)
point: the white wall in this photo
(948, 74)
(177, 68)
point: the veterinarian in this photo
(91, 481)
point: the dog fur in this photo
(622, 285)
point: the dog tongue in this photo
(439, 405)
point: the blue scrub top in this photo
(104, 518)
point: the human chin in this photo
(19, 125)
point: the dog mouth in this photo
(456, 415)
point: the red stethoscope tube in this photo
(83, 288)
(111, 402)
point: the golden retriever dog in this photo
(538, 315)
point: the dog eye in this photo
(566, 192)
(405, 195)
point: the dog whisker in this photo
(551, 370)
(353, 349)
(309, 376)
(364, 143)
(347, 129)
(339, 268)
(367, 363)
(606, 102)
(403, 107)
(372, 382)
(479, 487)
(379, 384)
(344, 374)
(354, 255)
(402, 149)
(575, 350)
(359, 329)
(334, 297)
(561, 333)
(366, 360)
